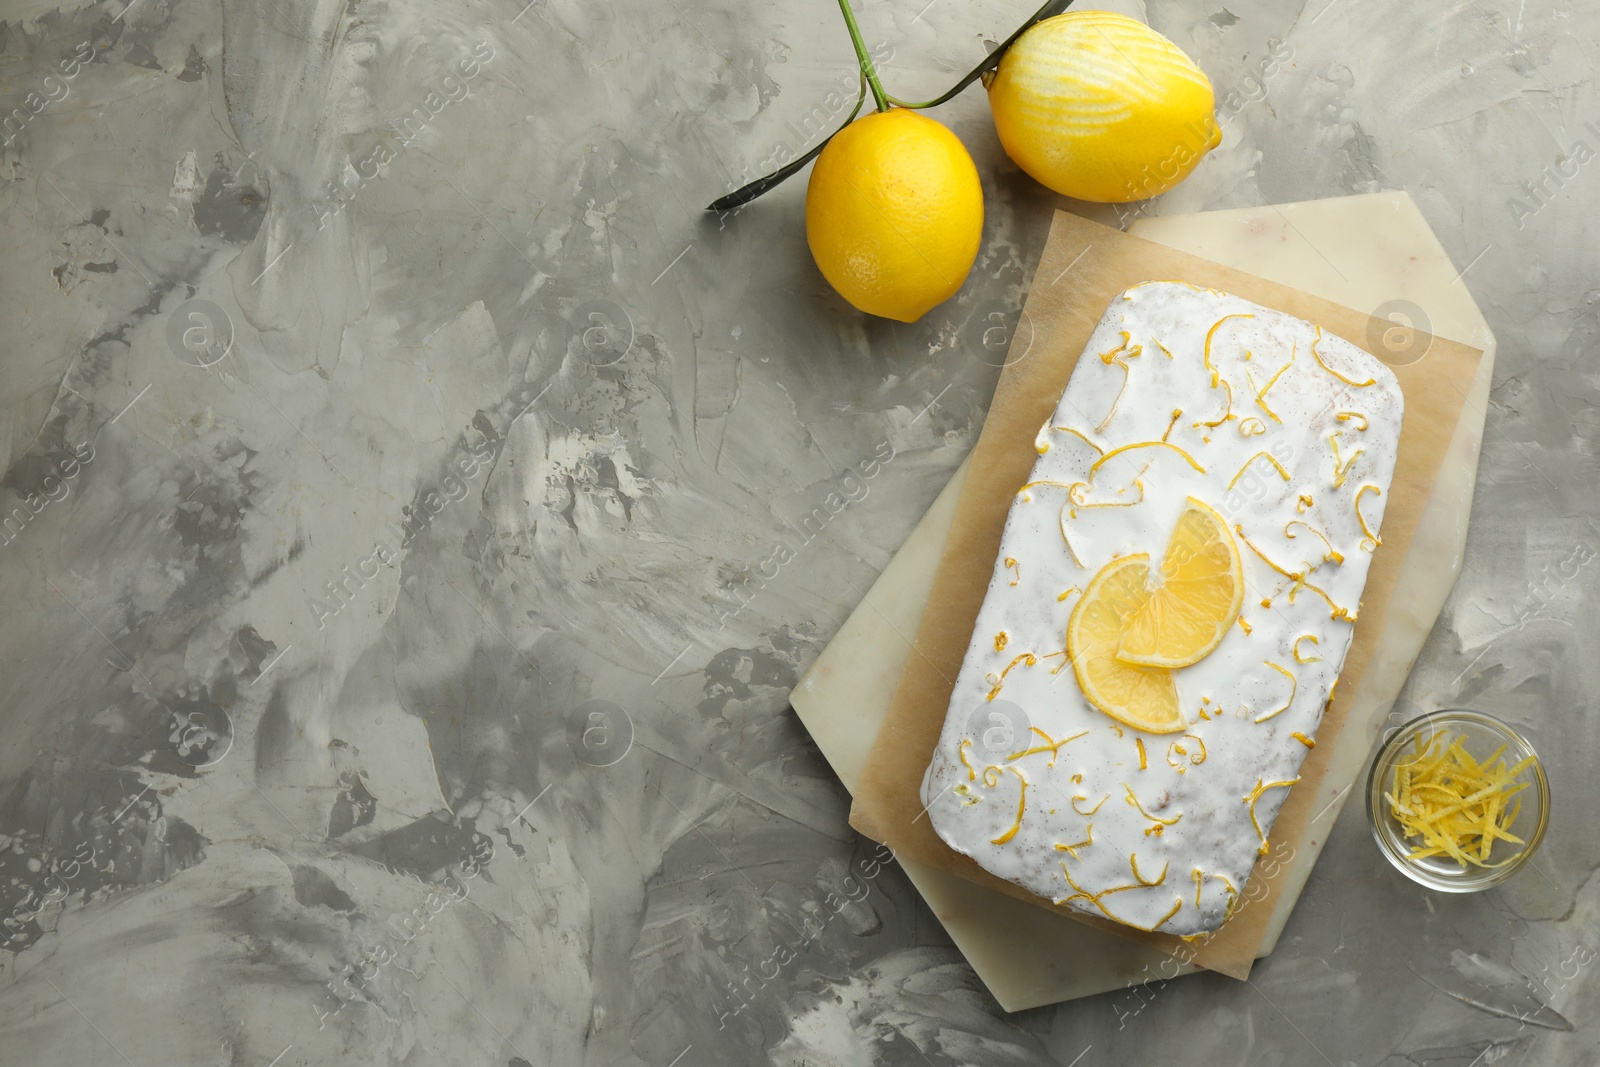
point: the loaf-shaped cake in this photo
(1175, 592)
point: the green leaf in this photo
(1049, 10)
(743, 195)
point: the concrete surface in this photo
(396, 464)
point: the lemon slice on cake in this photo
(1142, 697)
(1132, 628)
(1195, 598)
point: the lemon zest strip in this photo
(1116, 353)
(1050, 746)
(1261, 394)
(1261, 390)
(1303, 739)
(1079, 796)
(961, 750)
(1333, 555)
(1341, 469)
(1093, 898)
(1227, 411)
(1073, 495)
(1210, 334)
(1467, 801)
(1298, 579)
(1097, 464)
(1233, 896)
(1153, 927)
(1255, 795)
(1171, 281)
(1044, 481)
(1022, 801)
(1072, 850)
(1298, 658)
(1010, 563)
(1318, 357)
(1346, 416)
(1133, 864)
(1295, 688)
(1251, 460)
(1041, 445)
(1065, 662)
(1161, 823)
(1252, 427)
(1127, 373)
(1061, 521)
(1371, 542)
(1031, 660)
(1177, 749)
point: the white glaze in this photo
(1214, 832)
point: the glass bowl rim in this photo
(1390, 843)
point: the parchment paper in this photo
(1084, 266)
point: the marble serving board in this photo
(1373, 253)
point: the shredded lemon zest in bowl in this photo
(1456, 805)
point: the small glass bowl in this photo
(1480, 734)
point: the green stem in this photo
(867, 70)
(897, 102)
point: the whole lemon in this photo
(1099, 106)
(894, 213)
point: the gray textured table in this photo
(397, 460)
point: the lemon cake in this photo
(1175, 592)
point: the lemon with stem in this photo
(894, 208)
